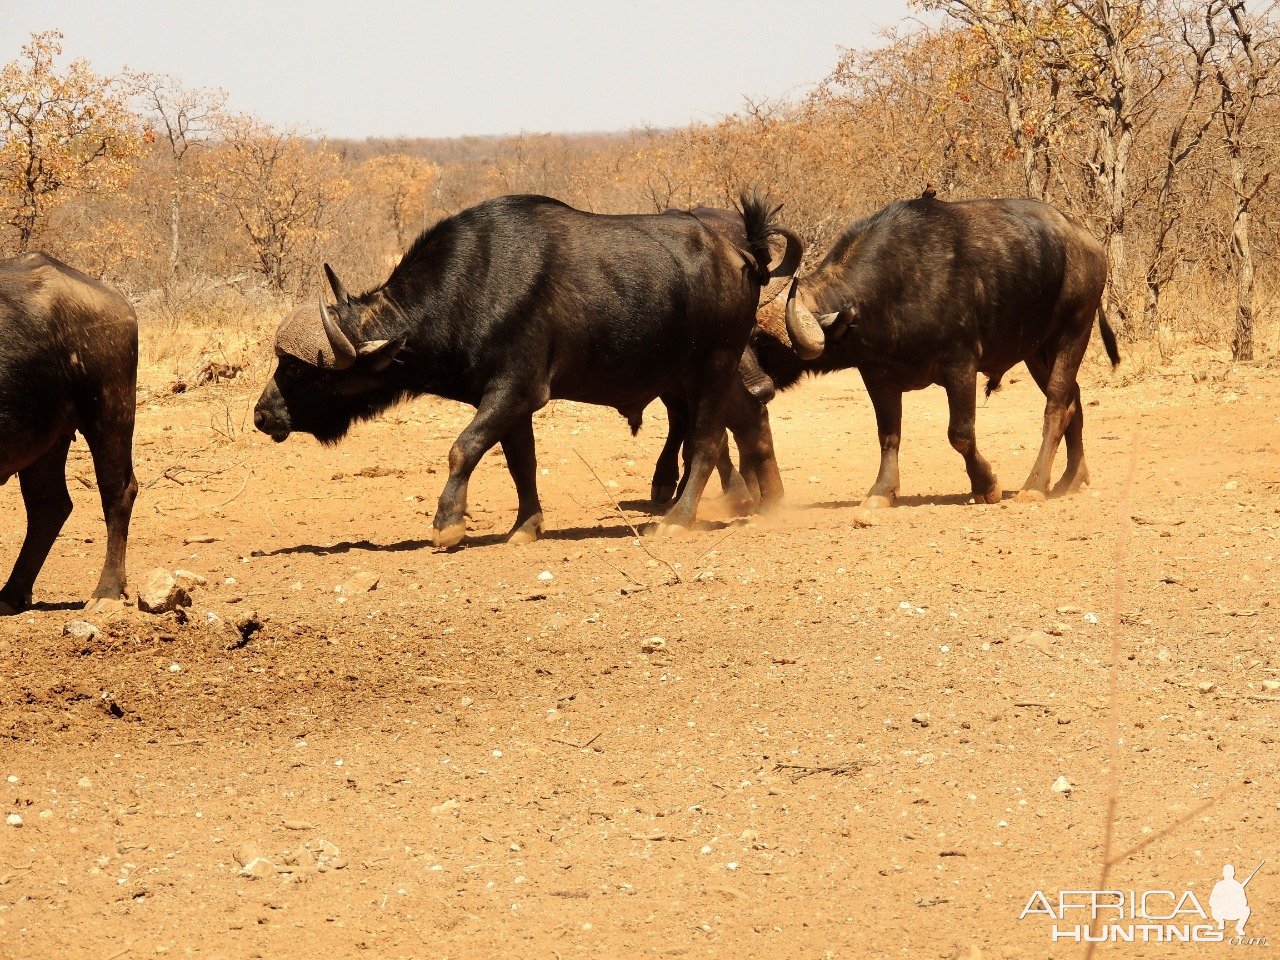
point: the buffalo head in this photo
(327, 376)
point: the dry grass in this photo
(190, 329)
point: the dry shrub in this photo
(201, 331)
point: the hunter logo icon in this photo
(1229, 901)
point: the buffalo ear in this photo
(339, 291)
(377, 355)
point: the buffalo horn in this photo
(802, 326)
(339, 291)
(344, 354)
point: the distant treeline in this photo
(1156, 123)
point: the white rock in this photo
(258, 868)
(1062, 785)
(80, 630)
(360, 582)
(546, 576)
(1271, 686)
(159, 592)
(189, 579)
(13, 820)
(653, 645)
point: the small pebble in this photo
(13, 820)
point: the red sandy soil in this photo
(845, 748)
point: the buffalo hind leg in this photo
(962, 387)
(44, 493)
(522, 463)
(111, 445)
(666, 472)
(887, 402)
(1062, 405)
(1077, 473)
(497, 415)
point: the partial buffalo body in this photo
(667, 475)
(928, 292)
(521, 300)
(68, 362)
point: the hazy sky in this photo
(399, 67)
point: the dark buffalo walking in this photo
(520, 300)
(68, 362)
(929, 292)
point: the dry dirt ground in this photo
(845, 748)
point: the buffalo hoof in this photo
(105, 606)
(1071, 484)
(1030, 496)
(9, 609)
(665, 529)
(449, 536)
(661, 493)
(526, 532)
(878, 501)
(994, 495)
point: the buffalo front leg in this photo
(112, 451)
(44, 493)
(741, 499)
(522, 463)
(1062, 401)
(887, 402)
(962, 387)
(706, 440)
(497, 415)
(666, 472)
(749, 421)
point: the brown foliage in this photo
(1149, 121)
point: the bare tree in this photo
(182, 118)
(281, 191)
(1104, 47)
(1190, 121)
(1245, 71)
(1030, 84)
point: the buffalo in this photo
(666, 474)
(930, 292)
(68, 362)
(520, 300)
